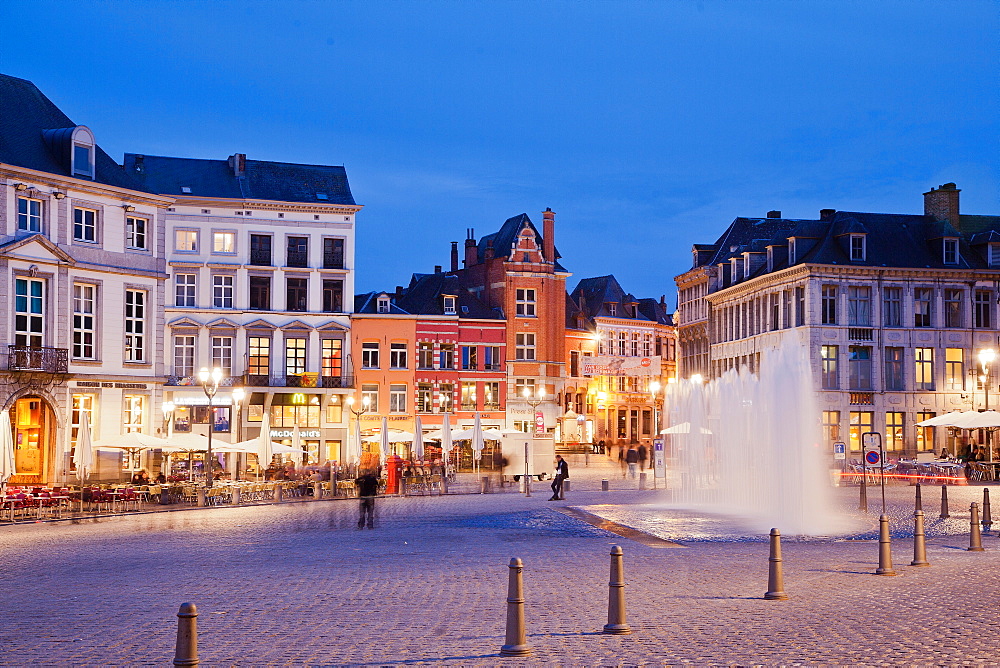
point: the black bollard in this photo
(944, 502)
(186, 653)
(516, 642)
(884, 548)
(616, 596)
(919, 503)
(987, 517)
(975, 537)
(919, 544)
(775, 574)
(863, 502)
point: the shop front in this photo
(33, 426)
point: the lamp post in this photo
(358, 412)
(210, 383)
(534, 399)
(239, 394)
(986, 357)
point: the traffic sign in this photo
(839, 450)
(872, 457)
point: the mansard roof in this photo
(261, 180)
(592, 296)
(503, 240)
(36, 134)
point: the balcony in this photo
(333, 260)
(260, 258)
(38, 358)
(862, 398)
(297, 259)
(860, 334)
(251, 380)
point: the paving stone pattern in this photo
(297, 584)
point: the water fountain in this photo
(750, 447)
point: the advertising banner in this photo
(606, 365)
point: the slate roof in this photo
(25, 113)
(263, 180)
(423, 297)
(504, 238)
(592, 295)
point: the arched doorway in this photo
(34, 429)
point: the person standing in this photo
(367, 485)
(643, 455)
(632, 459)
(562, 473)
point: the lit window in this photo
(295, 356)
(133, 413)
(223, 242)
(370, 392)
(397, 398)
(186, 240)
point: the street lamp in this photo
(358, 412)
(534, 399)
(986, 357)
(168, 420)
(210, 383)
(239, 394)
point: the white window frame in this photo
(222, 354)
(949, 251)
(397, 398)
(223, 290)
(397, 355)
(369, 354)
(228, 239)
(32, 310)
(370, 391)
(184, 350)
(84, 321)
(29, 220)
(450, 307)
(135, 325)
(133, 413)
(185, 292)
(383, 305)
(186, 241)
(858, 252)
(525, 299)
(136, 229)
(295, 355)
(85, 225)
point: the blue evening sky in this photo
(647, 126)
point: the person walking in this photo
(367, 485)
(643, 455)
(632, 459)
(562, 473)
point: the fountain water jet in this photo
(751, 447)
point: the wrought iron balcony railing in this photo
(37, 358)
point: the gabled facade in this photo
(82, 279)
(260, 258)
(894, 309)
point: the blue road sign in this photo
(872, 457)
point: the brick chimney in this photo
(827, 214)
(549, 235)
(437, 269)
(238, 163)
(941, 204)
(471, 251)
(774, 214)
(454, 256)
(489, 253)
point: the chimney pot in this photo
(238, 163)
(826, 214)
(549, 235)
(774, 214)
(941, 204)
(437, 269)
(454, 256)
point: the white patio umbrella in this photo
(945, 419)
(133, 443)
(8, 467)
(418, 439)
(297, 439)
(265, 448)
(976, 420)
(683, 428)
(384, 441)
(477, 439)
(395, 436)
(446, 440)
(354, 444)
(83, 455)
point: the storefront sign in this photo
(117, 386)
(539, 423)
(606, 365)
(201, 400)
(288, 433)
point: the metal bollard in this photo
(987, 517)
(884, 548)
(565, 487)
(642, 481)
(279, 491)
(944, 503)
(604, 486)
(919, 544)
(775, 571)
(975, 537)
(317, 491)
(616, 596)
(201, 497)
(186, 653)
(863, 501)
(919, 503)
(484, 485)
(237, 496)
(516, 642)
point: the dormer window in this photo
(993, 255)
(383, 304)
(449, 302)
(950, 251)
(612, 308)
(791, 251)
(770, 259)
(857, 248)
(82, 155)
(746, 265)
